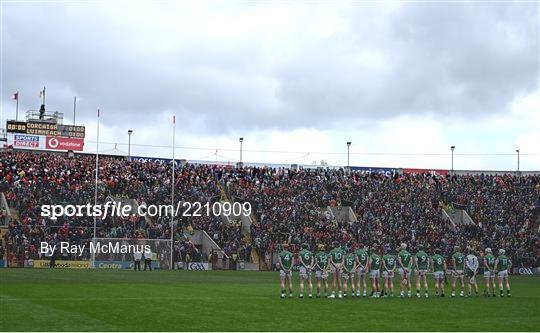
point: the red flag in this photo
(15, 96)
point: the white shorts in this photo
(335, 269)
(489, 275)
(388, 274)
(360, 271)
(283, 273)
(458, 273)
(402, 272)
(347, 276)
(321, 275)
(503, 274)
(421, 272)
(304, 272)
(375, 274)
(438, 275)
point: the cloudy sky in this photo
(402, 80)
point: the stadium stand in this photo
(292, 205)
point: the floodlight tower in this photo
(129, 143)
(348, 153)
(241, 141)
(452, 149)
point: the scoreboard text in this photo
(37, 128)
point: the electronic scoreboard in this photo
(43, 128)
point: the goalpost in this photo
(119, 252)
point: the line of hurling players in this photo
(350, 270)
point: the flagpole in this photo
(43, 97)
(172, 193)
(74, 108)
(96, 191)
(17, 108)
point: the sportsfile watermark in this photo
(117, 209)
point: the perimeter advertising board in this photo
(43, 142)
(435, 172)
(119, 264)
(389, 172)
(76, 264)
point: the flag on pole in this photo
(174, 119)
(15, 96)
(98, 113)
(42, 93)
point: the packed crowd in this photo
(289, 205)
(390, 210)
(34, 179)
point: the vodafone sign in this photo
(64, 143)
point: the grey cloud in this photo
(449, 59)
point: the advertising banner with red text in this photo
(64, 143)
(438, 172)
(26, 141)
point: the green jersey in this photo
(349, 262)
(362, 256)
(389, 261)
(322, 260)
(460, 261)
(502, 263)
(337, 255)
(422, 260)
(438, 263)
(286, 259)
(405, 257)
(305, 257)
(490, 261)
(375, 261)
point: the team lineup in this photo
(349, 271)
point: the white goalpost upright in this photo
(172, 194)
(96, 189)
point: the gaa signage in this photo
(526, 271)
(198, 266)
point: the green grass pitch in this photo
(112, 300)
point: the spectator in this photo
(147, 260)
(288, 205)
(137, 256)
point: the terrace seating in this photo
(289, 205)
